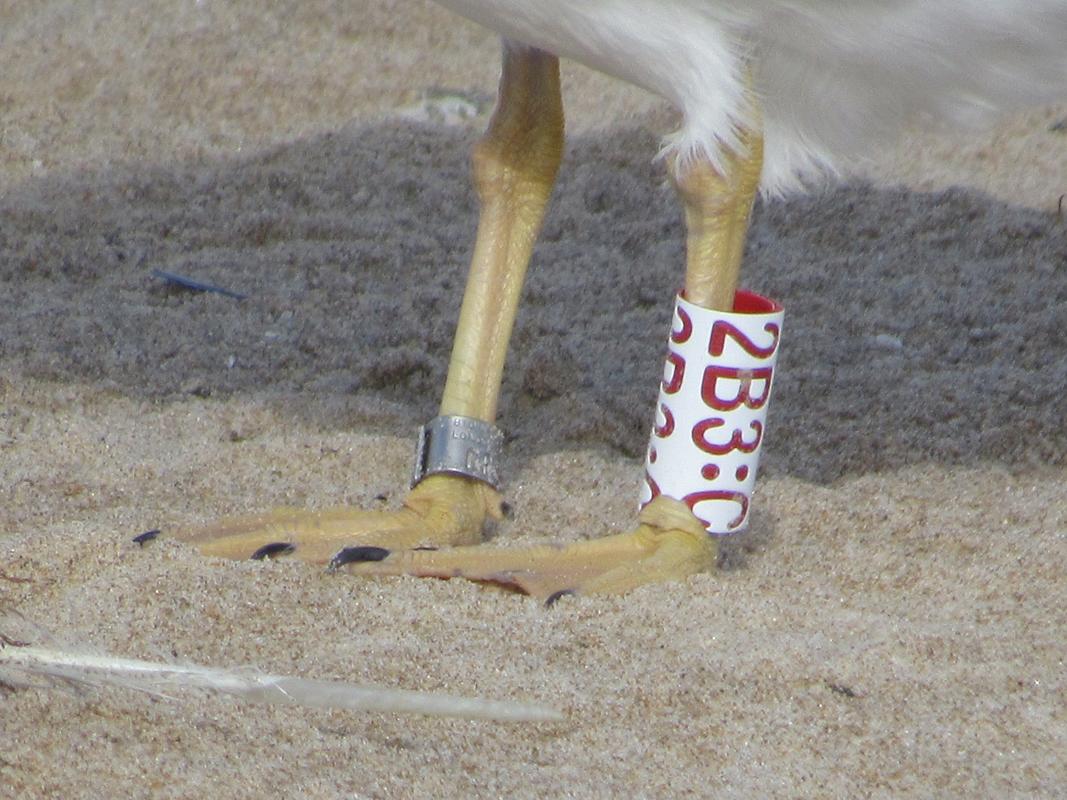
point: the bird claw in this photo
(273, 550)
(555, 597)
(357, 555)
(147, 536)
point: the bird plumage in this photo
(836, 77)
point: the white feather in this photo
(836, 77)
(253, 686)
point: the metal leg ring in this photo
(461, 446)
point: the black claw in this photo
(426, 547)
(839, 688)
(555, 596)
(273, 550)
(356, 555)
(147, 536)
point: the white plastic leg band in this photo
(712, 409)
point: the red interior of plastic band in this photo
(746, 302)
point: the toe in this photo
(442, 509)
(611, 565)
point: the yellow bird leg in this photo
(669, 542)
(718, 206)
(514, 167)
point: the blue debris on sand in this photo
(197, 286)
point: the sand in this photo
(892, 625)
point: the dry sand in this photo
(893, 624)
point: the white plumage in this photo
(836, 76)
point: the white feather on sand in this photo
(61, 664)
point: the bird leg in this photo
(670, 541)
(717, 207)
(514, 167)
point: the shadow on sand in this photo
(920, 327)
